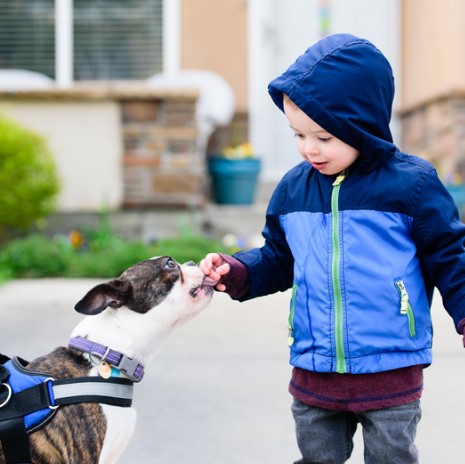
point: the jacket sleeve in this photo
(269, 268)
(440, 239)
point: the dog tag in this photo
(104, 369)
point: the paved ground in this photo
(217, 391)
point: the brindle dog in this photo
(130, 315)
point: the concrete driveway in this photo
(217, 391)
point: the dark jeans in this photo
(325, 436)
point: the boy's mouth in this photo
(318, 166)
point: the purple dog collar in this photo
(128, 366)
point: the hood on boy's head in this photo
(345, 84)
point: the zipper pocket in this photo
(405, 306)
(290, 320)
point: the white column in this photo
(171, 36)
(64, 43)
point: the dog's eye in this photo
(170, 265)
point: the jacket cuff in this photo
(236, 281)
(461, 326)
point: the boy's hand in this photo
(215, 267)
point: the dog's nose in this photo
(190, 263)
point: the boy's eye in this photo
(324, 139)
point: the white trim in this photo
(64, 43)
(171, 36)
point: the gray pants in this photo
(325, 436)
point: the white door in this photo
(281, 30)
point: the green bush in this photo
(188, 247)
(28, 179)
(94, 253)
(35, 256)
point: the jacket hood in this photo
(345, 84)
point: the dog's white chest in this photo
(121, 423)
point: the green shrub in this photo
(108, 262)
(94, 253)
(28, 178)
(188, 247)
(35, 256)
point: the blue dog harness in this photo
(29, 399)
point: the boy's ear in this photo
(113, 294)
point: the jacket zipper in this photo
(341, 367)
(290, 321)
(405, 306)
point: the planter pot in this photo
(234, 181)
(458, 194)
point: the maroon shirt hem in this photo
(357, 392)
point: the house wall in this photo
(84, 137)
(433, 98)
(214, 37)
(433, 49)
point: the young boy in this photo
(362, 233)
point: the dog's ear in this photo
(113, 294)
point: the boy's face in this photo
(326, 153)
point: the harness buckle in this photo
(128, 366)
(8, 398)
(53, 407)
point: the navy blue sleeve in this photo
(269, 268)
(440, 239)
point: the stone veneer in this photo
(435, 130)
(161, 163)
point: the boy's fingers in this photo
(221, 287)
(223, 269)
(207, 263)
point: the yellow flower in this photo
(244, 150)
(76, 239)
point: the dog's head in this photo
(147, 284)
(135, 312)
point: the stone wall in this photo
(161, 163)
(435, 130)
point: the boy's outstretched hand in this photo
(215, 268)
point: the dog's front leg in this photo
(121, 423)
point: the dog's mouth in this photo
(206, 286)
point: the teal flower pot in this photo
(234, 180)
(457, 192)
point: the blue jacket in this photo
(364, 250)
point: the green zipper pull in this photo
(403, 297)
(340, 177)
(290, 321)
(290, 338)
(405, 306)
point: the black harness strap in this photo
(26, 402)
(112, 391)
(15, 442)
(13, 437)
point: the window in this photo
(27, 35)
(113, 39)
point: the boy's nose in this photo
(310, 149)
